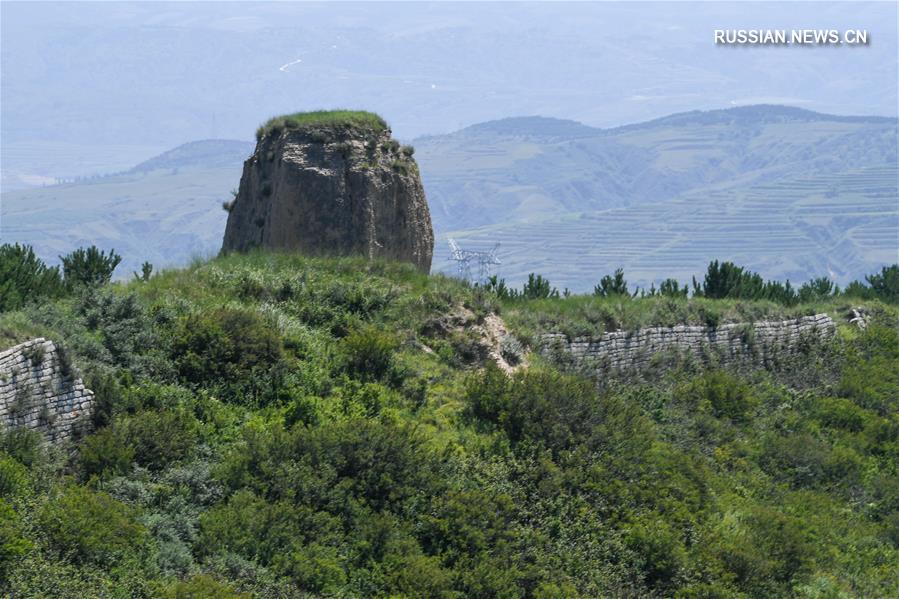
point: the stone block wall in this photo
(39, 390)
(622, 351)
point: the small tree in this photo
(24, 277)
(146, 271)
(498, 286)
(817, 289)
(538, 288)
(89, 267)
(886, 284)
(671, 288)
(612, 285)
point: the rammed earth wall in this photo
(38, 390)
(763, 343)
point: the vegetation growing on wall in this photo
(323, 119)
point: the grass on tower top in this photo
(354, 119)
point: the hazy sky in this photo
(112, 79)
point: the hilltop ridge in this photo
(754, 113)
(206, 153)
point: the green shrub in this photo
(380, 464)
(885, 284)
(723, 394)
(871, 373)
(224, 346)
(201, 586)
(769, 550)
(671, 288)
(313, 567)
(537, 406)
(122, 333)
(369, 353)
(24, 445)
(146, 271)
(464, 348)
(13, 477)
(275, 534)
(301, 410)
(817, 290)
(13, 543)
(160, 438)
(841, 414)
(727, 280)
(798, 458)
(661, 552)
(105, 454)
(467, 524)
(538, 288)
(91, 527)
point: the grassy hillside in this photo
(273, 426)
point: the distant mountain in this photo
(531, 126)
(788, 192)
(751, 115)
(483, 174)
(209, 153)
(165, 210)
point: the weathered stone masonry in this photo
(39, 390)
(623, 351)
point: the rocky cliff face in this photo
(761, 343)
(39, 390)
(332, 190)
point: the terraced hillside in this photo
(835, 225)
(795, 194)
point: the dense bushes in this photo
(228, 349)
(722, 394)
(369, 353)
(612, 285)
(275, 426)
(543, 406)
(86, 526)
(727, 280)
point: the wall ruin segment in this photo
(39, 391)
(622, 351)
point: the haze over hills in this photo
(165, 210)
(93, 88)
(788, 192)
